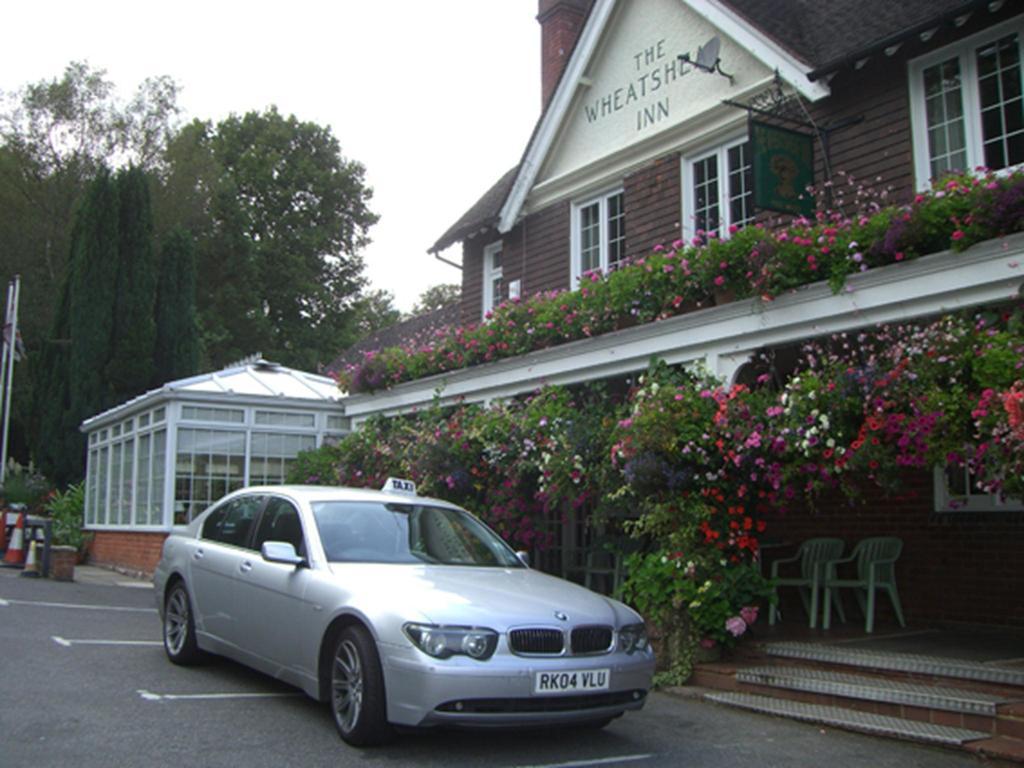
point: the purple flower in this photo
(735, 626)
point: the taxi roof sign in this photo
(399, 485)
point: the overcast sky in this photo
(436, 98)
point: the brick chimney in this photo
(560, 24)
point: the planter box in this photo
(62, 563)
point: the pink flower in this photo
(708, 642)
(958, 234)
(735, 626)
(720, 280)
(749, 614)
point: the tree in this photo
(176, 351)
(436, 297)
(278, 256)
(130, 365)
(375, 310)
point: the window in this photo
(280, 522)
(718, 190)
(199, 413)
(956, 491)
(232, 523)
(209, 464)
(286, 419)
(598, 234)
(271, 455)
(967, 108)
(493, 288)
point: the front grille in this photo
(595, 639)
(549, 641)
(543, 704)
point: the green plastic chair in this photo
(812, 554)
(876, 569)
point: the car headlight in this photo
(444, 642)
(632, 638)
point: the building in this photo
(637, 146)
(161, 458)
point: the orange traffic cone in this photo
(16, 549)
(31, 566)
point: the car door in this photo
(225, 543)
(276, 619)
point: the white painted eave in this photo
(725, 336)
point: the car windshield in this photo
(374, 532)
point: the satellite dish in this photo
(707, 54)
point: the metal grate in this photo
(594, 639)
(549, 641)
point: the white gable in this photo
(626, 98)
(637, 87)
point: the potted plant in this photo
(69, 542)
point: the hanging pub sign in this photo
(783, 168)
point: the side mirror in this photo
(281, 552)
(524, 557)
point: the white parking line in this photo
(68, 643)
(595, 761)
(150, 696)
(40, 604)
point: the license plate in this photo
(571, 681)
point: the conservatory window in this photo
(967, 107)
(209, 464)
(956, 491)
(272, 455)
(202, 413)
(718, 190)
(598, 234)
(92, 473)
(286, 419)
(336, 422)
(493, 277)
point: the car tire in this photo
(180, 627)
(357, 696)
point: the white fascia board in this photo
(943, 282)
(551, 120)
(791, 69)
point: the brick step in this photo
(876, 689)
(850, 719)
(904, 663)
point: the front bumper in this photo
(499, 692)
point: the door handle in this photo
(245, 567)
(197, 555)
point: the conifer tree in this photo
(176, 352)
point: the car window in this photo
(280, 522)
(232, 523)
(408, 533)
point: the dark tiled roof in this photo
(828, 33)
(415, 330)
(481, 216)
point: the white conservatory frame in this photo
(236, 427)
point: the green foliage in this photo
(176, 348)
(130, 364)
(280, 217)
(436, 297)
(23, 485)
(67, 511)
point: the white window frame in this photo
(964, 50)
(973, 501)
(491, 273)
(576, 234)
(690, 159)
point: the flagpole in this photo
(11, 345)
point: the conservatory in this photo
(161, 458)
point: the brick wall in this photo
(135, 551)
(955, 567)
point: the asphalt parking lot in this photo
(85, 683)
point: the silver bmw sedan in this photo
(396, 609)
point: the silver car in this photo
(397, 610)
